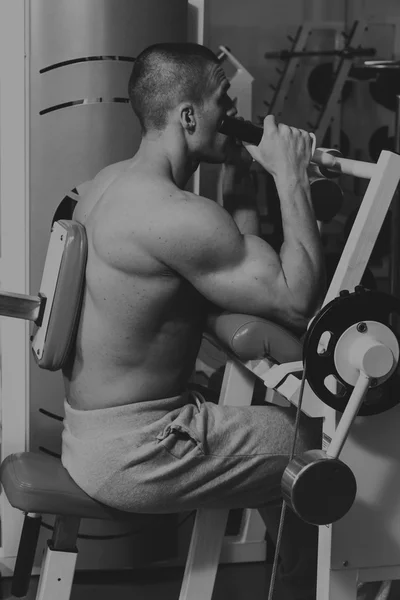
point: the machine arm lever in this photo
(21, 306)
(350, 413)
(252, 134)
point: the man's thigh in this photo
(231, 456)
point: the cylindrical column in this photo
(371, 357)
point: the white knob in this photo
(370, 356)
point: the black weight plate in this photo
(379, 141)
(320, 83)
(336, 317)
(386, 87)
(344, 142)
(324, 492)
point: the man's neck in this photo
(167, 157)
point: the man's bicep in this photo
(238, 273)
(201, 243)
(253, 283)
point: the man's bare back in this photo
(157, 254)
(141, 323)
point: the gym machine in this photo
(349, 377)
(383, 79)
(362, 545)
(358, 547)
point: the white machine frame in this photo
(334, 583)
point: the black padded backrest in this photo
(62, 286)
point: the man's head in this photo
(184, 87)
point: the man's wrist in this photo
(290, 178)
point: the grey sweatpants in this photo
(182, 453)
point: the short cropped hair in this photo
(164, 75)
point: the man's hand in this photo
(283, 150)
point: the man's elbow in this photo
(296, 322)
(303, 309)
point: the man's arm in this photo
(242, 273)
(285, 152)
(301, 237)
(238, 273)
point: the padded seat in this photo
(252, 338)
(38, 483)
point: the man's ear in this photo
(187, 117)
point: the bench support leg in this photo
(204, 552)
(26, 555)
(56, 575)
(58, 568)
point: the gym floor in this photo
(236, 582)
(233, 582)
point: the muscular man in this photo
(135, 436)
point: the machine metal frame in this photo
(338, 576)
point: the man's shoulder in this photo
(162, 201)
(185, 223)
(104, 176)
(158, 214)
(193, 203)
(186, 214)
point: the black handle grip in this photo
(245, 131)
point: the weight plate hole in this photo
(334, 386)
(325, 343)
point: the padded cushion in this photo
(251, 338)
(38, 483)
(65, 311)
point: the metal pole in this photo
(350, 413)
(344, 53)
(20, 306)
(395, 221)
(347, 166)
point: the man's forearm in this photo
(239, 199)
(301, 253)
